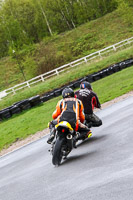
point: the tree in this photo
(29, 21)
(125, 9)
(45, 17)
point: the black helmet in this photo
(85, 84)
(67, 92)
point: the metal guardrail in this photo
(58, 70)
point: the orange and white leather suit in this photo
(70, 105)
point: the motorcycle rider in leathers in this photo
(69, 109)
(90, 101)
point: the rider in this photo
(68, 109)
(90, 101)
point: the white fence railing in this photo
(58, 70)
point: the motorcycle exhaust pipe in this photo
(69, 137)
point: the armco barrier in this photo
(58, 70)
(37, 100)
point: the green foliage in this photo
(29, 67)
(56, 50)
(125, 9)
(29, 21)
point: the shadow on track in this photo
(71, 159)
(92, 139)
(90, 154)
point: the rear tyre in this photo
(57, 151)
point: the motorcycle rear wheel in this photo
(57, 151)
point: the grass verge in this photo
(36, 119)
(72, 74)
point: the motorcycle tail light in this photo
(63, 130)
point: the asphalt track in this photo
(99, 169)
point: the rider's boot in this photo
(88, 123)
(89, 134)
(74, 143)
(51, 138)
(83, 135)
(52, 133)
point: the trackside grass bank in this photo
(36, 119)
(68, 46)
(65, 78)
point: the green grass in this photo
(73, 74)
(114, 85)
(36, 119)
(64, 48)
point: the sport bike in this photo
(64, 141)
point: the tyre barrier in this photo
(5, 114)
(57, 92)
(15, 110)
(24, 104)
(37, 100)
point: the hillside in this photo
(61, 49)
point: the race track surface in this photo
(99, 169)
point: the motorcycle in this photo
(64, 141)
